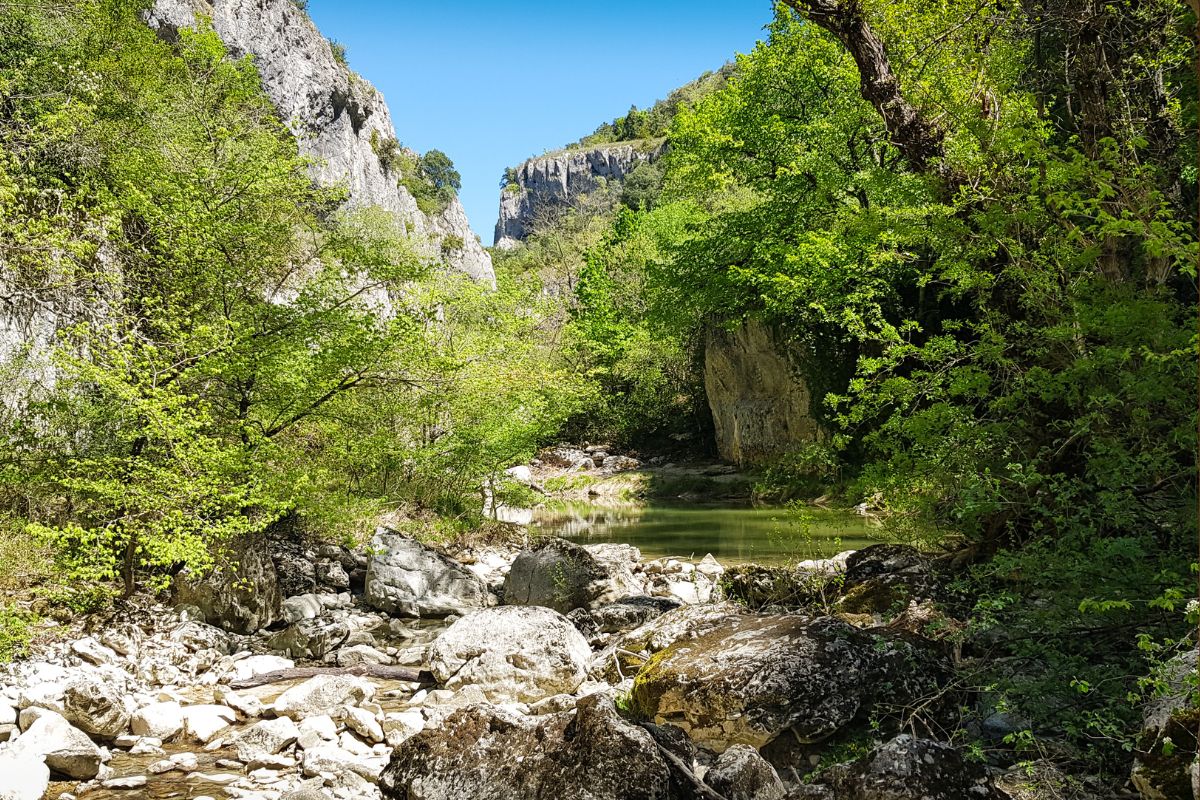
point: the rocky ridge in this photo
(548, 184)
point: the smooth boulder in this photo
(406, 578)
(323, 694)
(158, 720)
(752, 678)
(564, 576)
(485, 752)
(740, 773)
(512, 653)
(64, 748)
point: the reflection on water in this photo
(732, 534)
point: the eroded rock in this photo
(753, 677)
(486, 752)
(563, 575)
(521, 653)
(407, 578)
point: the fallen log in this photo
(379, 671)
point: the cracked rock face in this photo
(751, 678)
(550, 183)
(339, 119)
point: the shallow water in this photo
(732, 534)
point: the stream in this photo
(733, 534)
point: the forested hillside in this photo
(932, 261)
(975, 226)
(225, 342)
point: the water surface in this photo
(732, 534)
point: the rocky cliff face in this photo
(547, 184)
(761, 406)
(339, 119)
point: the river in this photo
(733, 534)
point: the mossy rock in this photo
(874, 596)
(753, 677)
(1164, 758)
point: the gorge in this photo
(825, 430)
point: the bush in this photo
(16, 631)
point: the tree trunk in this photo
(919, 141)
(368, 670)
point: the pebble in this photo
(132, 782)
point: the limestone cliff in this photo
(339, 119)
(761, 405)
(550, 183)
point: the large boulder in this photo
(242, 594)
(563, 575)
(64, 748)
(908, 768)
(740, 773)
(512, 653)
(406, 578)
(485, 752)
(621, 616)
(24, 778)
(885, 577)
(159, 720)
(625, 654)
(752, 678)
(322, 695)
(95, 707)
(265, 739)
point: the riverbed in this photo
(732, 533)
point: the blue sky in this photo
(492, 84)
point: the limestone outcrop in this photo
(546, 185)
(339, 118)
(761, 406)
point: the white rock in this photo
(685, 591)
(710, 567)
(322, 726)
(64, 748)
(521, 653)
(265, 738)
(247, 706)
(24, 777)
(219, 778)
(322, 695)
(363, 723)
(361, 654)
(92, 651)
(47, 695)
(159, 720)
(401, 726)
(304, 606)
(202, 723)
(130, 782)
(520, 474)
(333, 760)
